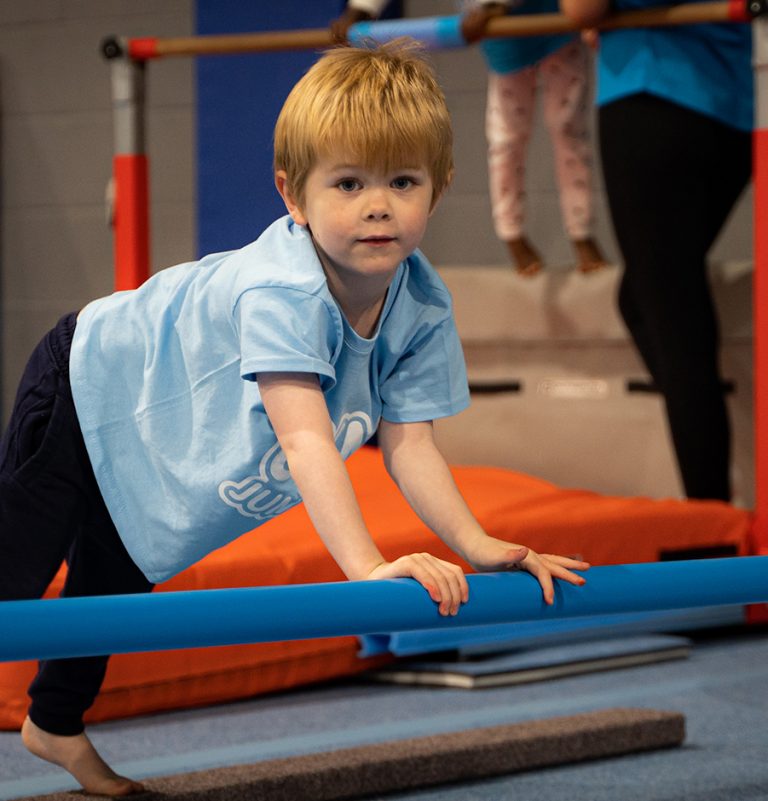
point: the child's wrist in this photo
(466, 542)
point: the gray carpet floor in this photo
(721, 689)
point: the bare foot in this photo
(78, 756)
(589, 255)
(527, 260)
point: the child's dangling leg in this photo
(589, 257)
(525, 257)
(564, 81)
(508, 120)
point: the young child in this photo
(519, 67)
(163, 422)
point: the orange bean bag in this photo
(512, 506)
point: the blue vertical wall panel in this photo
(238, 100)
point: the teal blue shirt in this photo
(706, 68)
(164, 380)
(517, 53)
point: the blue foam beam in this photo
(68, 627)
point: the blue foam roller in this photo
(434, 33)
(124, 623)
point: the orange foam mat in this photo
(510, 505)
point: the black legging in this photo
(672, 177)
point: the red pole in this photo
(760, 285)
(130, 215)
(131, 220)
(758, 613)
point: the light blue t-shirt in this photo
(706, 68)
(164, 383)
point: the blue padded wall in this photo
(238, 100)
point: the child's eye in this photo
(402, 182)
(348, 184)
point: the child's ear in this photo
(281, 183)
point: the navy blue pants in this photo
(51, 510)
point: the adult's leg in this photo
(672, 176)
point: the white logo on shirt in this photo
(261, 496)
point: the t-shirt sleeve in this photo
(430, 378)
(283, 329)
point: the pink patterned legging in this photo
(509, 118)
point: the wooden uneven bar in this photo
(371, 770)
(538, 24)
(307, 39)
(499, 27)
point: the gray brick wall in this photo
(56, 144)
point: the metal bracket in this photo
(112, 47)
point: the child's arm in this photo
(418, 468)
(299, 416)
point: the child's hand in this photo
(340, 26)
(444, 581)
(473, 22)
(591, 38)
(489, 554)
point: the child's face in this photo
(364, 222)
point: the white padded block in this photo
(573, 419)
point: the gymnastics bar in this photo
(68, 627)
(436, 32)
(130, 216)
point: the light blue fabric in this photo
(163, 379)
(517, 53)
(706, 68)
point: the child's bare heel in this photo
(78, 756)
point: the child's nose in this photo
(378, 206)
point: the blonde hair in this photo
(381, 105)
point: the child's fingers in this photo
(559, 567)
(566, 561)
(544, 578)
(453, 585)
(445, 582)
(546, 567)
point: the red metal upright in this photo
(760, 286)
(130, 215)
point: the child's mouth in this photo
(378, 240)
